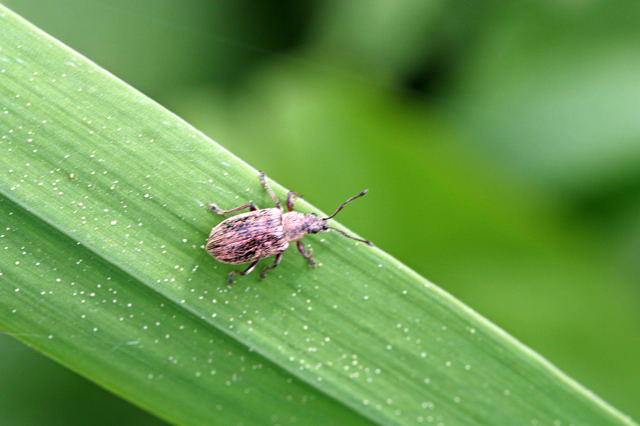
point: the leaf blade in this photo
(198, 372)
(105, 166)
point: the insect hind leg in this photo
(247, 271)
(250, 206)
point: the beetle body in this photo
(260, 233)
(248, 237)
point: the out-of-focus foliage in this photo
(499, 141)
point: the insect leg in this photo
(276, 262)
(245, 272)
(306, 254)
(291, 200)
(218, 210)
(263, 180)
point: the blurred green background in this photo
(500, 141)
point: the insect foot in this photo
(260, 233)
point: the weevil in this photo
(261, 233)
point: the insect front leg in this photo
(291, 200)
(306, 254)
(218, 210)
(276, 262)
(263, 180)
(247, 271)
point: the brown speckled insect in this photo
(260, 233)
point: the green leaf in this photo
(103, 199)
